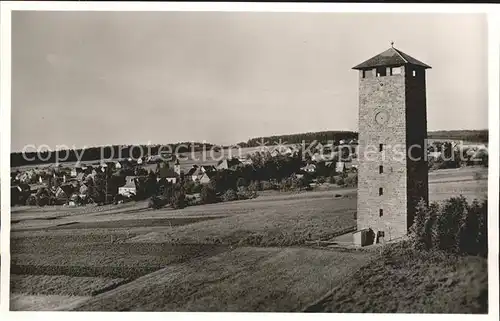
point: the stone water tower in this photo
(392, 172)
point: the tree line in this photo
(322, 136)
(136, 151)
(479, 136)
(103, 152)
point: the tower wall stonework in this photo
(392, 170)
(416, 119)
(404, 180)
(387, 94)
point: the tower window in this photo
(381, 72)
(381, 191)
(380, 147)
(380, 212)
(395, 70)
(381, 169)
(368, 73)
(414, 73)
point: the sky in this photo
(97, 78)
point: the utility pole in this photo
(106, 190)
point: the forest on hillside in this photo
(478, 136)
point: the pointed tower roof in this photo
(390, 57)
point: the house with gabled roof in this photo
(168, 174)
(205, 178)
(208, 168)
(194, 173)
(226, 163)
(129, 188)
(309, 168)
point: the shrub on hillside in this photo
(241, 182)
(245, 193)
(448, 223)
(321, 180)
(229, 195)
(453, 226)
(31, 200)
(191, 187)
(178, 200)
(266, 185)
(285, 185)
(208, 195)
(157, 202)
(301, 183)
(351, 180)
(421, 229)
(43, 200)
(339, 180)
(484, 160)
(192, 201)
(293, 183)
(42, 197)
(254, 186)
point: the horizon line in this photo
(224, 145)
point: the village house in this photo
(19, 193)
(246, 161)
(434, 155)
(129, 189)
(341, 167)
(80, 177)
(208, 168)
(317, 157)
(168, 174)
(298, 176)
(88, 180)
(73, 182)
(275, 152)
(25, 177)
(205, 178)
(194, 173)
(68, 189)
(232, 164)
(60, 196)
(34, 188)
(309, 168)
(154, 159)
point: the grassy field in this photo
(244, 279)
(405, 281)
(21, 302)
(61, 285)
(99, 259)
(269, 223)
(247, 255)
